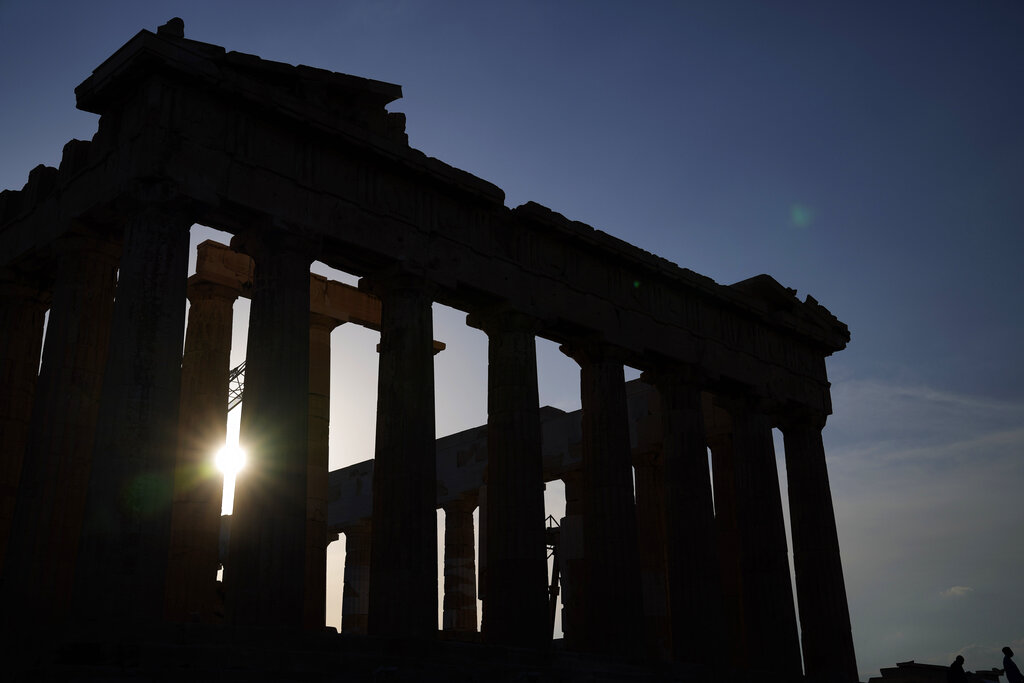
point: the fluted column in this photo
(459, 607)
(55, 476)
(769, 614)
(355, 597)
(122, 560)
(22, 312)
(198, 484)
(821, 591)
(612, 600)
(403, 582)
(266, 570)
(698, 628)
(650, 518)
(572, 564)
(723, 470)
(516, 610)
(481, 551)
(320, 327)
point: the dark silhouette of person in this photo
(956, 672)
(1013, 674)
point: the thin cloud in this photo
(879, 425)
(957, 592)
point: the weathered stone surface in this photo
(355, 600)
(768, 612)
(693, 568)
(821, 592)
(403, 591)
(320, 327)
(572, 559)
(612, 599)
(723, 470)
(459, 606)
(198, 484)
(516, 610)
(22, 313)
(122, 559)
(230, 152)
(650, 522)
(299, 163)
(265, 574)
(55, 476)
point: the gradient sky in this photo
(870, 154)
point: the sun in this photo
(230, 459)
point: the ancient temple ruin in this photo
(110, 513)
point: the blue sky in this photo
(870, 154)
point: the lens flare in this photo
(230, 459)
(801, 215)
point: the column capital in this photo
(573, 476)
(360, 526)
(17, 285)
(319, 321)
(163, 196)
(263, 241)
(665, 374)
(594, 349)
(81, 242)
(746, 401)
(717, 441)
(395, 279)
(678, 387)
(200, 289)
(467, 502)
(647, 457)
(502, 318)
(801, 418)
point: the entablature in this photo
(370, 204)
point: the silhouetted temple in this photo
(109, 521)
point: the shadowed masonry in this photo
(301, 164)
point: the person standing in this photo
(956, 671)
(1013, 674)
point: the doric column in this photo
(650, 518)
(769, 615)
(821, 592)
(122, 559)
(459, 608)
(516, 611)
(22, 312)
(727, 538)
(55, 476)
(723, 470)
(355, 596)
(572, 564)
(481, 551)
(612, 597)
(320, 327)
(403, 582)
(198, 484)
(697, 627)
(266, 570)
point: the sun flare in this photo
(230, 459)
